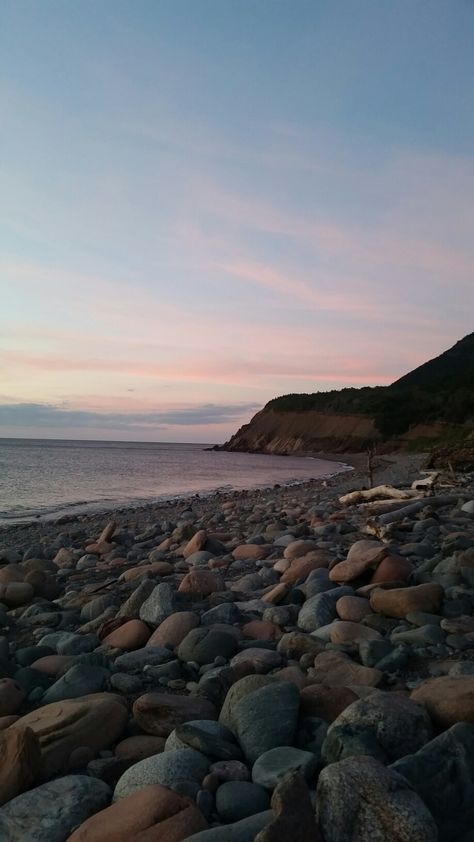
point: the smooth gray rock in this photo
(202, 645)
(320, 610)
(442, 773)
(161, 603)
(236, 800)
(243, 831)
(167, 769)
(79, 680)
(399, 726)
(131, 607)
(271, 767)
(212, 739)
(140, 658)
(49, 813)
(267, 718)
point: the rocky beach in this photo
(292, 663)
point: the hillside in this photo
(432, 404)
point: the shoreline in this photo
(280, 614)
(351, 475)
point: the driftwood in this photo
(427, 483)
(414, 508)
(386, 491)
(378, 507)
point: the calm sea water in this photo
(48, 478)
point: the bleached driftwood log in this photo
(425, 484)
(380, 491)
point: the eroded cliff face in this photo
(313, 432)
(303, 432)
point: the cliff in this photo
(432, 405)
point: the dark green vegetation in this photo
(439, 390)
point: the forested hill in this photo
(432, 404)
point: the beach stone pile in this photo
(269, 665)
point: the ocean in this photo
(48, 478)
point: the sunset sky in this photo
(207, 203)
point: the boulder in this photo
(325, 702)
(442, 773)
(159, 605)
(345, 633)
(448, 699)
(272, 766)
(398, 602)
(241, 831)
(202, 582)
(21, 757)
(94, 721)
(152, 814)
(160, 713)
(168, 769)
(206, 643)
(359, 799)
(292, 808)
(11, 696)
(174, 629)
(335, 669)
(129, 636)
(50, 812)
(393, 723)
(362, 557)
(256, 730)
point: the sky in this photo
(208, 203)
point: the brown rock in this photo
(139, 747)
(296, 644)
(196, 543)
(99, 547)
(345, 633)
(301, 567)
(160, 713)
(172, 631)
(95, 721)
(156, 568)
(251, 552)
(11, 696)
(325, 702)
(55, 665)
(129, 636)
(108, 626)
(293, 674)
(152, 814)
(299, 548)
(393, 568)
(398, 602)
(363, 556)
(107, 532)
(6, 721)
(335, 669)
(281, 565)
(262, 630)
(64, 558)
(15, 594)
(203, 582)
(353, 608)
(448, 699)
(11, 573)
(276, 594)
(21, 757)
(293, 809)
